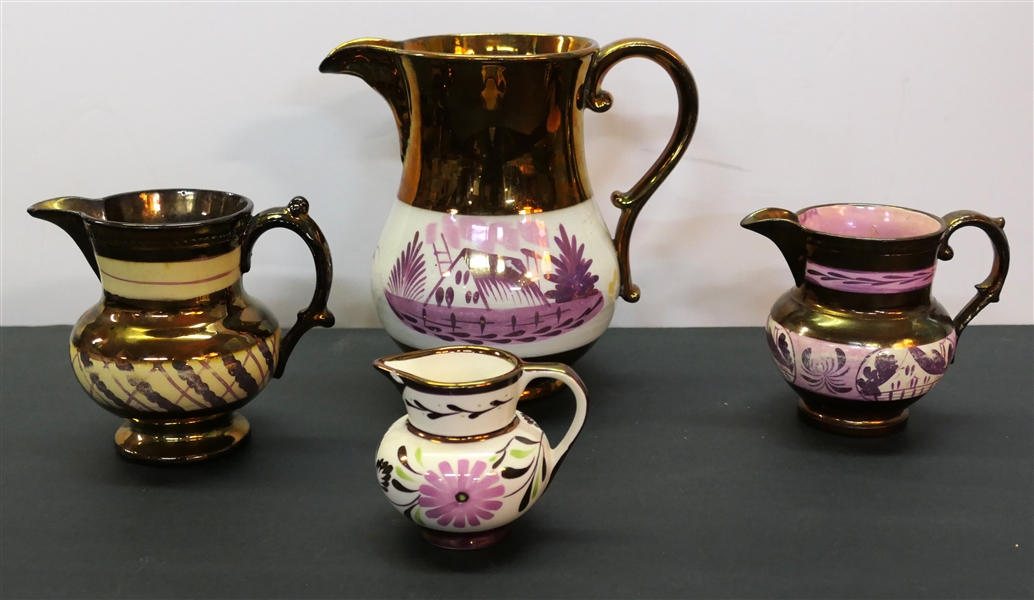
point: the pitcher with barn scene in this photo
(494, 239)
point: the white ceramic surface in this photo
(504, 281)
(463, 462)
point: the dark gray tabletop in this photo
(692, 478)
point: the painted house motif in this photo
(487, 280)
(481, 297)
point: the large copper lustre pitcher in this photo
(494, 239)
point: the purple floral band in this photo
(856, 372)
(868, 282)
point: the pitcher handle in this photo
(989, 289)
(295, 216)
(632, 201)
(565, 375)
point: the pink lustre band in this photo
(868, 282)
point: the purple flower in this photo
(464, 497)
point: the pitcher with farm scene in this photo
(494, 239)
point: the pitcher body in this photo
(175, 345)
(861, 338)
(464, 463)
(494, 238)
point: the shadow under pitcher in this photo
(175, 345)
(494, 239)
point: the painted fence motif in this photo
(484, 298)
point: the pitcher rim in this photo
(942, 225)
(590, 47)
(247, 208)
(497, 381)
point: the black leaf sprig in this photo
(456, 410)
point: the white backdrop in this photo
(926, 105)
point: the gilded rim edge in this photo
(513, 374)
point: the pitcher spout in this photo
(69, 214)
(379, 64)
(782, 227)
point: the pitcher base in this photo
(181, 441)
(464, 541)
(853, 426)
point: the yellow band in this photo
(171, 280)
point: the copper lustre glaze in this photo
(860, 338)
(493, 240)
(175, 345)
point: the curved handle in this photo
(296, 218)
(989, 289)
(569, 378)
(632, 201)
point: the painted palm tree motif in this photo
(488, 298)
(407, 275)
(572, 277)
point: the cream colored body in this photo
(171, 280)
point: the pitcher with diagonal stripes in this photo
(175, 345)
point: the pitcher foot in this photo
(464, 541)
(853, 425)
(182, 441)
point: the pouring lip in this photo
(942, 225)
(585, 47)
(246, 208)
(444, 387)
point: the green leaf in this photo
(520, 453)
(535, 489)
(416, 517)
(419, 456)
(402, 474)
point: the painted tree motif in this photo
(572, 277)
(872, 377)
(936, 364)
(407, 275)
